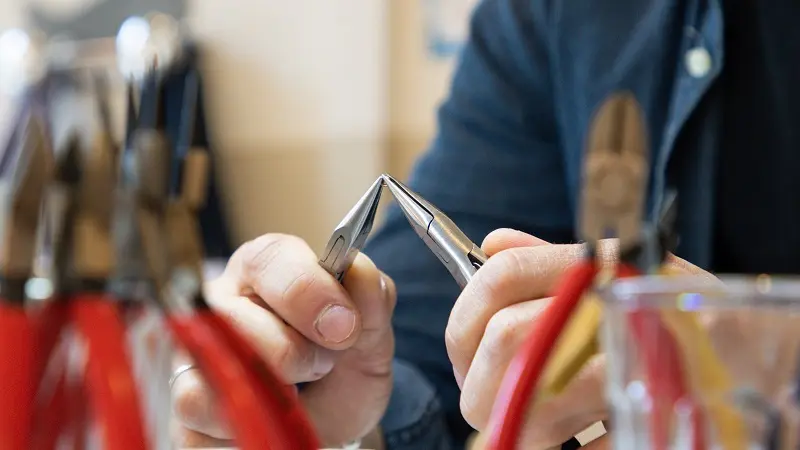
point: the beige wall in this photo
(310, 100)
(298, 97)
(418, 83)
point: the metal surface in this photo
(615, 173)
(455, 250)
(351, 234)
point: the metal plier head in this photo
(352, 232)
(616, 173)
(25, 172)
(455, 250)
(170, 185)
(86, 177)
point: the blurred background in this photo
(307, 101)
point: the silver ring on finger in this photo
(180, 371)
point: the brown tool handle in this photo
(195, 178)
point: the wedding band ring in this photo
(180, 371)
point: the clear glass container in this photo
(703, 363)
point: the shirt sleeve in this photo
(495, 162)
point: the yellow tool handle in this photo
(576, 345)
(709, 378)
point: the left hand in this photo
(492, 317)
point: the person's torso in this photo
(672, 55)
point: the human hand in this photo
(309, 328)
(492, 317)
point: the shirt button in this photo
(698, 62)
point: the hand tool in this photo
(615, 181)
(351, 234)
(346, 241)
(709, 377)
(83, 263)
(462, 257)
(455, 250)
(24, 173)
(262, 410)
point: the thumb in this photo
(349, 401)
(505, 238)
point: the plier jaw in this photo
(352, 232)
(455, 250)
(616, 173)
(22, 190)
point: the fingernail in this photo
(336, 323)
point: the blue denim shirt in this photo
(508, 154)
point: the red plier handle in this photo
(280, 398)
(108, 380)
(109, 377)
(252, 423)
(24, 174)
(17, 390)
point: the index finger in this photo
(285, 274)
(509, 277)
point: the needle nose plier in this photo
(168, 187)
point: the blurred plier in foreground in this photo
(455, 250)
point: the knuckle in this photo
(291, 359)
(452, 341)
(503, 333)
(301, 284)
(190, 403)
(261, 253)
(470, 411)
(505, 270)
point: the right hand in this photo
(491, 319)
(309, 328)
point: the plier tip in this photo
(451, 245)
(352, 232)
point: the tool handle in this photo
(271, 389)
(109, 376)
(522, 376)
(17, 391)
(256, 427)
